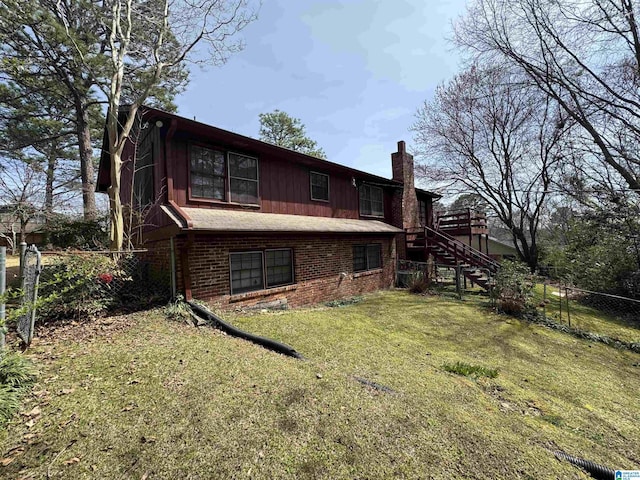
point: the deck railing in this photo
(461, 220)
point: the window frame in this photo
(293, 273)
(311, 174)
(370, 187)
(245, 252)
(366, 246)
(263, 263)
(227, 176)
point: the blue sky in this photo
(354, 72)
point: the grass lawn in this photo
(141, 397)
(588, 318)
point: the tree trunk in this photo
(115, 204)
(86, 161)
(48, 193)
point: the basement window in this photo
(257, 270)
(367, 257)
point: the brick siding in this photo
(323, 268)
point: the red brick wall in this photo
(323, 268)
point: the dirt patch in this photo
(82, 331)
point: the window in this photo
(243, 175)
(367, 257)
(371, 201)
(319, 186)
(246, 272)
(143, 179)
(253, 270)
(207, 173)
(228, 177)
(422, 212)
(279, 267)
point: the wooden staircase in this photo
(475, 265)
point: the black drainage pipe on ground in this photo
(598, 472)
(219, 323)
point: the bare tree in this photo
(489, 134)
(146, 42)
(583, 54)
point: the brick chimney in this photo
(406, 215)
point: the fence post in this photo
(566, 295)
(3, 285)
(23, 251)
(560, 300)
(458, 286)
(544, 299)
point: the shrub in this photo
(77, 286)
(17, 375)
(77, 233)
(178, 310)
(16, 371)
(514, 288)
(418, 282)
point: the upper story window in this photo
(371, 203)
(319, 186)
(243, 174)
(208, 173)
(217, 175)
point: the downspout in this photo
(186, 274)
(184, 251)
(213, 319)
(172, 253)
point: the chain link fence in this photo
(90, 283)
(599, 313)
(561, 301)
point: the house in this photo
(12, 229)
(243, 222)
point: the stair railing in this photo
(462, 251)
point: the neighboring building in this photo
(10, 227)
(250, 223)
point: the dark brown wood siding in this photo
(284, 187)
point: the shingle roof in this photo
(225, 220)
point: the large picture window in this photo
(371, 203)
(319, 186)
(257, 270)
(217, 175)
(367, 257)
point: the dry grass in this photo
(149, 398)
